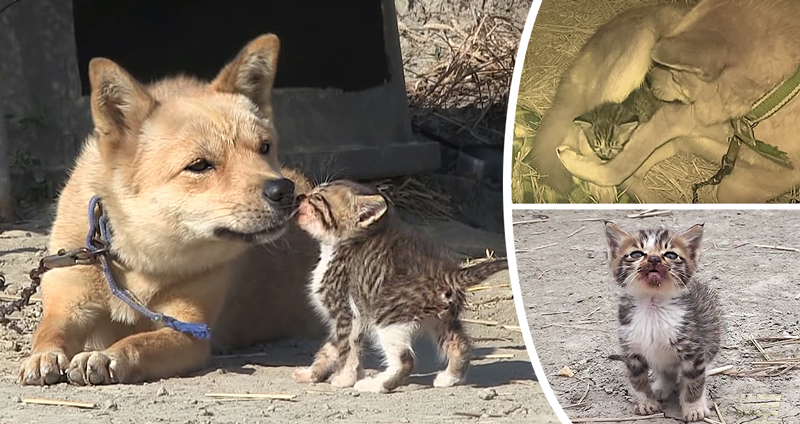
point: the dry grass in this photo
(561, 29)
(461, 93)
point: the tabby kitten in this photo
(669, 321)
(377, 279)
(609, 126)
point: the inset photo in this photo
(664, 315)
(659, 101)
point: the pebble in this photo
(608, 390)
(487, 394)
(162, 392)
(110, 405)
(17, 399)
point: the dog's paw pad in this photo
(94, 368)
(43, 368)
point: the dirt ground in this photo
(507, 383)
(571, 305)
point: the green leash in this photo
(744, 131)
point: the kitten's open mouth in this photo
(653, 275)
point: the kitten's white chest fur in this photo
(326, 254)
(654, 327)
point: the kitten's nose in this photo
(279, 191)
(654, 259)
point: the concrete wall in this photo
(362, 134)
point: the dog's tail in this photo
(472, 275)
(612, 64)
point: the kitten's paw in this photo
(646, 407)
(445, 379)
(344, 379)
(303, 375)
(696, 411)
(373, 385)
(43, 368)
(94, 368)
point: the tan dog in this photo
(715, 64)
(189, 179)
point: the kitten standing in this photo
(669, 321)
(375, 278)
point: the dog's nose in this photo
(279, 191)
(654, 259)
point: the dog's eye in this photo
(636, 254)
(264, 148)
(671, 255)
(200, 165)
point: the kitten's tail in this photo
(477, 273)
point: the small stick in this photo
(556, 313)
(648, 214)
(580, 402)
(787, 361)
(468, 414)
(511, 327)
(531, 221)
(479, 288)
(787, 249)
(37, 401)
(494, 356)
(592, 313)
(252, 396)
(588, 219)
(710, 421)
(719, 414)
(575, 232)
(479, 321)
(538, 248)
(240, 355)
(603, 420)
(760, 349)
(719, 370)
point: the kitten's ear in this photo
(615, 237)
(584, 122)
(252, 72)
(119, 103)
(693, 238)
(626, 130)
(704, 53)
(369, 209)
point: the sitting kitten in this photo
(609, 126)
(377, 279)
(669, 321)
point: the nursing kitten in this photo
(609, 126)
(669, 321)
(375, 278)
(613, 63)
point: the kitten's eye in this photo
(671, 255)
(636, 254)
(265, 147)
(200, 166)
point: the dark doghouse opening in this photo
(323, 44)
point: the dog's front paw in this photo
(695, 411)
(43, 368)
(371, 384)
(646, 407)
(95, 368)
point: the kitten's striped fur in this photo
(669, 321)
(609, 126)
(375, 278)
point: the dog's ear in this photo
(119, 103)
(252, 72)
(704, 53)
